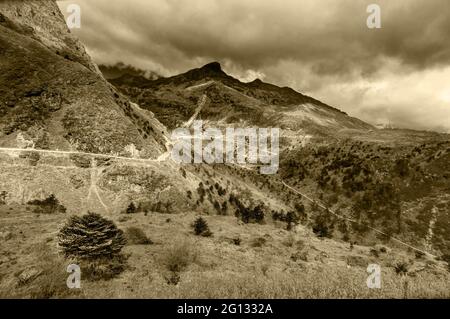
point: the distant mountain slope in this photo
(53, 96)
(174, 100)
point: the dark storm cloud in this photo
(330, 34)
(307, 44)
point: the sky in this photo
(398, 74)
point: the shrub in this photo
(249, 215)
(50, 205)
(104, 268)
(221, 191)
(401, 268)
(131, 209)
(289, 241)
(323, 225)
(446, 258)
(301, 212)
(201, 192)
(259, 242)
(173, 278)
(201, 227)
(33, 157)
(81, 161)
(374, 253)
(217, 207)
(257, 214)
(401, 167)
(277, 215)
(419, 254)
(91, 237)
(97, 243)
(224, 208)
(3, 195)
(177, 259)
(265, 268)
(300, 255)
(136, 236)
(322, 230)
(290, 218)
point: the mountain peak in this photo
(257, 81)
(210, 70)
(213, 66)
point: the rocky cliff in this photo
(52, 94)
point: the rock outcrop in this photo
(52, 94)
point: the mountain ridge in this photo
(214, 70)
(173, 100)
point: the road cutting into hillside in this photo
(198, 86)
(201, 104)
(8, 149)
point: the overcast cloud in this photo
(399, 73)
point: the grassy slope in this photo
(374, 176)
(286, 265)
(325, 268)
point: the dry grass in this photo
(324, 283)
(50, 281)
(179, 256)
(182, 265)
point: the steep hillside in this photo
(53, 96)
(66, 132)
(400, 188)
